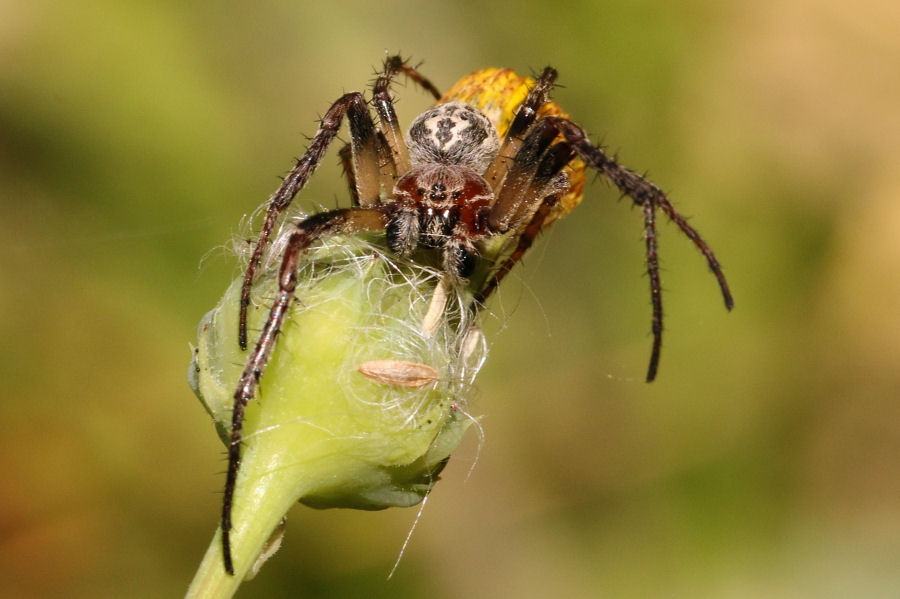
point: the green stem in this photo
(211, 580)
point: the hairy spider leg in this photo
(345, 154)
(525, 117)
(395, 64)
(647, 195)
(513, 173)
(384, 156)
(370, 175)
(372, 164)
(528, 178)
(345, 221)
(544, 186)
(523, 244)
(362, 134)
(384, 107)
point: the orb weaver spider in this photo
(450, 185)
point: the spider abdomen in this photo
(498, 94)
(453, 133)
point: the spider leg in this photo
(378, 173)
(395, 64)
(647, 195)
(384, 106)
(523, 243)
(365, 152)
(346, 156)
(525, 117)
(337, 222)
(529, 173)
(533, 181)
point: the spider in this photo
(449, 186)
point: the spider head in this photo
(453, 133)
(441, 206)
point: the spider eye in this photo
(420, 191)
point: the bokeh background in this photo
(765, 460)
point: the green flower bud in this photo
(362, 401)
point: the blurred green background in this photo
(765, 460)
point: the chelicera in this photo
(449, 185)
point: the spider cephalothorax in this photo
(441, 206)
(460, 178)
